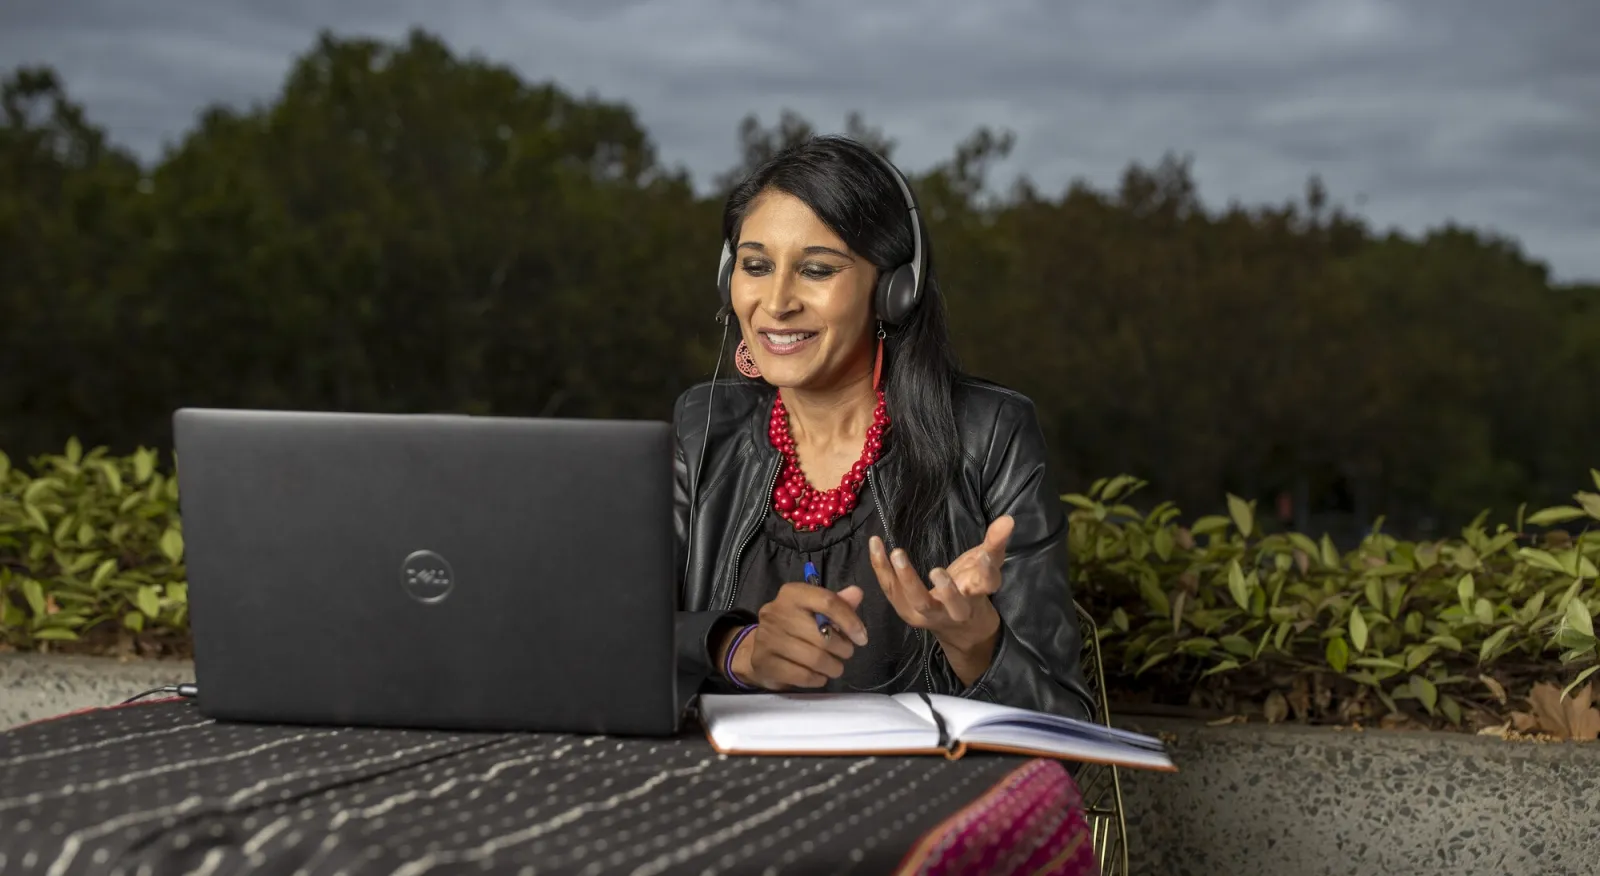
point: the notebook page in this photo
(973, 722)
(813, 723)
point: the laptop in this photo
(431, 571)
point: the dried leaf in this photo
(1230, 719)
(1565, 718)
(1302, 561)
(1185, 538)
(1276, 708)
(1495, 688)
(1524, 722)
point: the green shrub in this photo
(1218, 611)
(91, 553)
(91, 558)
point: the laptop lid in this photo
(430, 570)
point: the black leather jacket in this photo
(1036, 662)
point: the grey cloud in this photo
(1476, 111)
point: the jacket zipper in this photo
(888, 537)
(738, 555)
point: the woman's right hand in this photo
(786, 650)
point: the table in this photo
(156, 788)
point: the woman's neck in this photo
(831, 419)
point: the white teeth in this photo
(786, 340)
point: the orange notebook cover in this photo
(856, 724)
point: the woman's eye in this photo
(755, 267)
(818, 272)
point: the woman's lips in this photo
(785, 343)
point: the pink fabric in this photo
(1032, 822)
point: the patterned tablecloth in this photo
(156, 788)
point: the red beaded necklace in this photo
(804, 505)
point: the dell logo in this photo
(427, 577)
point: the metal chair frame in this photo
(1099, 783)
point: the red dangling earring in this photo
(877, 364)
(743, 361)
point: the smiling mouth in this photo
(785, 342)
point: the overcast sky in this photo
(1486, 112)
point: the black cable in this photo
(188, 691)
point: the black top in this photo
(778, 555)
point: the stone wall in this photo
(1273, 800)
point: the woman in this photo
(917, 495)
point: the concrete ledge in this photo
(1257, 799)
(34, 686)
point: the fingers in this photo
(998, 536)
(787, 660)
(809, 601)
(900, 583)
(956, 604)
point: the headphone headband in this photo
(899, 289)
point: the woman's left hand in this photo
(957, 610)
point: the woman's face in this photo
(803, 299)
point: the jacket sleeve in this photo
(1037, 660)
(695, 629)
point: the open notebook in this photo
(864, 723)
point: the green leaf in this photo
(1590, 503)
(1530, 609)
(1338, 654)
(112, 476)
(34, 593)
(172, 544)
(36, 517)
(1374, 593)
(149, 600)
(1483, 610)
(1209, 524)
(1577, 618)
(1426, 692)
(74, 451)
(1577, 681)
(1162, 541)
(1465, 589)
(1358, 630)
(1237, 585)
(1558, 514)
(1443, 641)
(1492, 643)
(1151, 661)
(1237, 644)
(1224, 666)
(1416, 655)
(59, 634)
(144, 464)
(1380, 663)
(1078, 501)
(133, 620)
(1541, 559)
(1330, 554)
(102, 572)
(1154, 597)
(1451, 709)
(1119, 620)
(1116, 486)
(1243, 514)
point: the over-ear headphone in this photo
(899, 289)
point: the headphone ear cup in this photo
(725, 277)
(897, 295)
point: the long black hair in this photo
(847, 187)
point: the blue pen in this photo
(815, 580)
